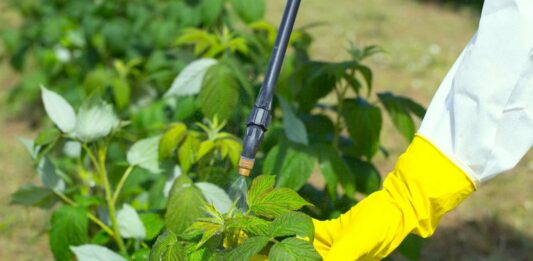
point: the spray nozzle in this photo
(260, 116)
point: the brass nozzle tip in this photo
(245, 166)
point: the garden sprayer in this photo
(260, 115)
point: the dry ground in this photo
(421, 41)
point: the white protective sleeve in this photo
(482, 115)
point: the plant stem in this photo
(89, 215)
(121, 183)
(102, 151)
(338, 122)
(91, 156)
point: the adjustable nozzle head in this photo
(254, 135)
(245, 166)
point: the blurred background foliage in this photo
(130, 52)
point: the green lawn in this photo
(421, 43)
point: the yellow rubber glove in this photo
(422, 188)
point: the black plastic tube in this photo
(261, 113)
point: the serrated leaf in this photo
(219, 95)
(251, 224)
(144, 153)
(153, 224)
(293, 224)
(59, 110)
(293, 249)
(31, 195)
(249, 11)
(292, 166)
(130, 224)
(277, 202)
(91, 252)
(167, 248)
(185, 205)
(170, 140)
(189, 81)
(96, 119)
(216, 196)
(364, 123)
(293, 126)
(69, 227)
(261, 185)
(248, 248)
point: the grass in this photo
(421, 43)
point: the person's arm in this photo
(478, 125)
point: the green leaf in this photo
(49, 177)
(121, 92)
(220, 93)
(293, 249)
(30, 147)
(170, 140)
(367, 75)
(185, 205)
(96, 119)
(277, 202)
(364, 123)
(249, 11)
(95, 253)
(59, 110)
(248, 248)
(97, 80)
(144, 153)
(205, 147)
(294, 127)
(47, 136)
(260, 186)
(319, 128)
(399, 114)
(251, 224)
(69, 227)
(216, 196)
(312, 82)
(153, 224)
(293, 224)
(231, 149)
(334, 170)
(292, 166)
(130, 224)
(211, 10)
(31, 195)
(366, 175)
(411, 247)
(189, 81)
(187, 152)
(167, 248)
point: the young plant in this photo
(270, 227)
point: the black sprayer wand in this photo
(261, 113)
